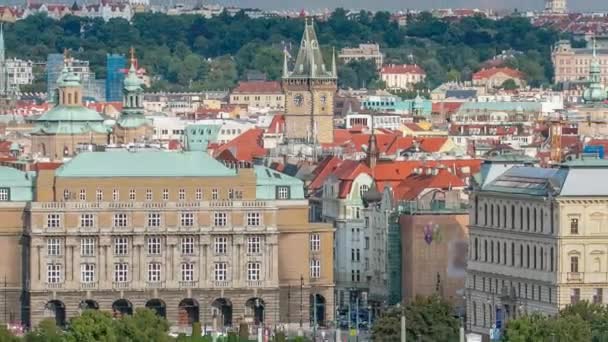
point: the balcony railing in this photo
(575, 276)
(155, 284)
(228, 204)
(121, 285)
(188, 284)
(54, 285)
(221, 283)
(430, 207)
(87, 286)
(254, 283)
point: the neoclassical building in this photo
(180, 233)
(59, 132)
(538, 240)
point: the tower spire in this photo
(334, 70)
(285, 70)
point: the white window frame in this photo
(120, 220)
(254, 244)
(220, 245)
(99, 195)
(199, 194)
(315, 242)
(187, 219)
(220, 219)
(115, 195)
(54, 273)
(5, 194)
(254, 219)
(154, 219)
(187, 245)
(220, 271)
(53, 220)
(283, 192)
(154, 244)
(181, 194)
(121, 246)
(87, 246)
(87, 220)
(121, 272)
(165, 194)
(154, 272)
(132, 194)
(87, 273)
(53, 246)
(148, 194)
(187, 273)
(315, 268)
(254, 270)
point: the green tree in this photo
(6, 336)
(428, 319)
(143, 326)
(509, 84)
(92, 326)
(595, 314)
(541, 328)
(46, 331)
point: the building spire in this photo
(334, 70)
(285, 70)
(594, 48)
(372, 146)
(133, 59)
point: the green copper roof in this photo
(132, 82)
(71, 113)
(70, 127)
(19, 183)
(198, 136)
(501, 106)
(132, 121)
(144, 164)
(268, 180)
(68, 78)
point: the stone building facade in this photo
(574, 64)
(537, 241)
(179, 233)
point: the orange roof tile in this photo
(486, 73)
(258, 87)
(277, 125)
(402, 69)
(246, 146)
(411, 187)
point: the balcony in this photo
(155, 284)
(54, 285)
(88, 286)
(121, 285)
(255, 283)
(188, 284)
(227, 204)
(575, 276)
(221, 283)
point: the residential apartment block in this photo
(537, 240)
(573, 64)
(177, 232)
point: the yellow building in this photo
(180, 233)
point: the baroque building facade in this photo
(180, 233)
(309, 92)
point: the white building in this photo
(19, 72)
(538, 240)
(402, 77)
(363, 52)
(172, 128)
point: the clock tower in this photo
(309, 92)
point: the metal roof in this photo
(267, 180)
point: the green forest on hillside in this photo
(189, 51)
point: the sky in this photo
(574, 5)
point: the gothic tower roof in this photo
(309, 62)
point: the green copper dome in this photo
(132, 82)
(68, 79)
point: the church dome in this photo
(132, 81)
(68, 79)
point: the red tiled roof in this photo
(446, 107)
(258, 87)
(487, 73)
(40, 166)
(402, 69)
(246, 146)
(277, 125)
(415, 184)
(325, 168)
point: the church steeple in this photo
(133, 91)
(69, 89)
(309, 62)
(595, 93)
(372, 146)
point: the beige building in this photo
(495, 77)
(574, 64)
(538, 240)
(402, 77)
(363, 52)
(179, 233)
(259, 94)
(309, 93)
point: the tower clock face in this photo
(298, 100)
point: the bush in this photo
(244, 331)
(196, 329)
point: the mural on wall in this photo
(432, 233)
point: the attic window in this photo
(5, 194)
(276, 175)
(268, 173)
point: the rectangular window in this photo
(182, 194)
(315, 242)
(87, 246)
(154, 272)
(154, 245)
(121, 246)
(253, 244)
(5, 194)
(574, 226)
(115, 195)
(121, 272)
(153, 219)
(187, 219)
(220, 219)
(165, 194)
(221, 271)
(53, 246)
(575, 296)
(120, 220)
(82, 195)
(148, 194)
(86, 220)
(282, 192)
(132, 194)
(598, 296)
(187, 245)
(253, 271)
(187, 272)
(53, 221)
(315, 268)
(87, 273)
(215, 194)
(53, 273)
(199, 194)
(574, 264)
(99, 195)
(221, 245)
(253, 219)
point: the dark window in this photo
(521, 218)
(476, 249)
(528, 219)
(512, 253)
(485, 214)
(542, 220)
(485, 250)
(498, 252)
(535, 220)
(512, 216)
(476, 210)
(574, 226)
(542, 259)
(551, 260)
(492, 251)
(528, 256)
(504, 253)
(492, 214)
(574, 264)
(521, 256)
(534, 251)
(504, 216)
